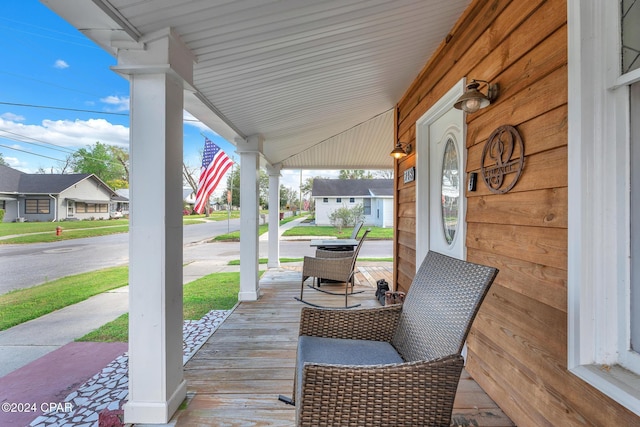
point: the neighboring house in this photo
(53, 197)
(189, 197)
(375, 195)
(119, 206)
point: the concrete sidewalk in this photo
(31, 340)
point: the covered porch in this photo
(293, 85)
(337, 85)
(236, 376)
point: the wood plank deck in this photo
(235, 378)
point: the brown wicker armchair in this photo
(336, 266)
(390, 366)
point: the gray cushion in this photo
(337, 351)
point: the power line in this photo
(54, 146)
(79, 110)
(69, 151)
(29, 152)
(15, 104)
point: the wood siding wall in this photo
(518, 345)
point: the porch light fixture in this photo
(400, 152)
(473, 100)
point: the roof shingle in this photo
(351, 187)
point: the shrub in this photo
(346, 217)
(1, 215)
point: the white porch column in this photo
(158, 75)
(274, 216)
(249, 151)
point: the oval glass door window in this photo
(450, 191)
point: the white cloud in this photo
(86, 132)
(116, 103)
(60, 64)
(70, 134)
(13, 117)
(14, 162)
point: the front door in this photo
(441, 207)
(446, 193)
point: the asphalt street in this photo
(22, 266)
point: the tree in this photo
(355, 174)
(101, 161)
(66, 165)
(122, 157)
(307, 186)
(263, 186)
(188, 173)
(2, 161)
(233, 184)
(288, 197)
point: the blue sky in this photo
(48, 63)
(58, 95)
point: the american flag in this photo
(215, 163)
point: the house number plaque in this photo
(502, 159)
(409, 175)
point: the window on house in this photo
(325, 200)
(366, 203)
(352, 199)
(82, 207)
(36, 206)
(338, 199)
(604, 197)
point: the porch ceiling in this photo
(317, 79)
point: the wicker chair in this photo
(397, 365)
(338, 266)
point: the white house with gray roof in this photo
(53, 197)
(375, 195)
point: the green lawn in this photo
(218, 291)
(44, 232)
(234, 236)
(9, 228)
(25, 304)
(327, 230)
(67, 235)
(216, 215)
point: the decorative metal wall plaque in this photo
(502, 159)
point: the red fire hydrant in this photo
(58, 230)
